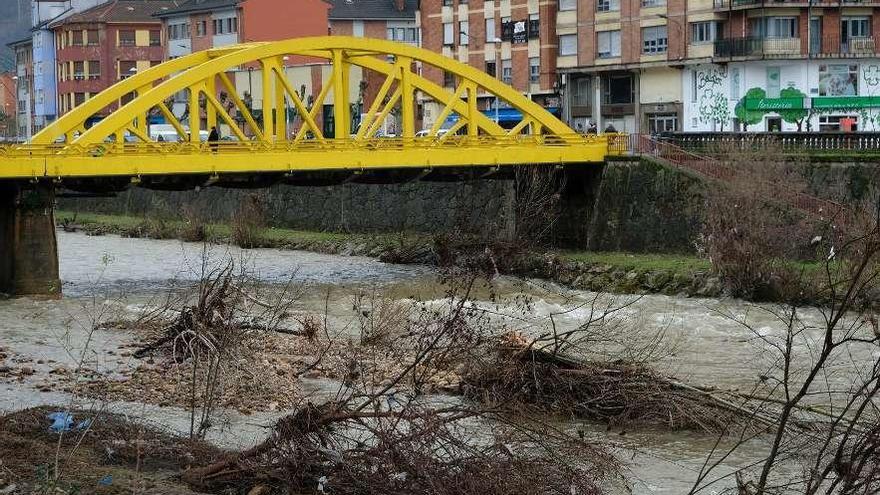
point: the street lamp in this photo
(497, 46)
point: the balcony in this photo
(739, 47)
(734, 4)
(858, 46)
(757, 47)
(782, 46)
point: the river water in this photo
(703, 344)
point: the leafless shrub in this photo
(823, 378)
(194, 228)
(538, 195)
(751, 237)
(248, 221)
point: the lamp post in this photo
(286, 103)
(497, 47)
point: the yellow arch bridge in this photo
(262, 142)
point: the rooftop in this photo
(193, 6)
(373, 9)
(120, 11)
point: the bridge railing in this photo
(342, 144)
(789, 142)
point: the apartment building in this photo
(393, 20)
(102, 45)
(196, 25)
(513, 40)
(788, 66)
(8, 103)
(24, 86)
(44, 13)
(719, 65)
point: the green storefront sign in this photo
(774, 104)
(819, 102)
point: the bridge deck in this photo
(138, 159)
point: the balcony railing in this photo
(756, 47)
(739, 47)
(858, 46)
(782, 46)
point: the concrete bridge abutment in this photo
(28, 244)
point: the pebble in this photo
(26, 371)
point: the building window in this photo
(127, 68)
(662, 122)
(92, 37)
(232, 25)
(506, 29)
(201, 28)
(831, 123)
(568, 45)
(618, 89)
(567, 5)
(773, 27)
(838, 80)
(126, 37)
(94, 69)
(218, 26)
(79, 70)
(490, 30)
(534, 26)
(155, 38)
(653, 3)
(448, 79)
(607, 5)
(79, 99)
(492, 69)
(855, 35)
(703, 32)
(534, 69)
(76, 38)
(506, 71)
(654, 39)
(581, 92)
(412, 35)
(447, 3)
(608, 44)
(463, 33)
(448, 34)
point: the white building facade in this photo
(834, 94)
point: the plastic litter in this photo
(106, 480)
(63, 422)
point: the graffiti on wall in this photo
(713, 105)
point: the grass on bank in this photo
(642, 262)
(216, 232)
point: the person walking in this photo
(213, 139)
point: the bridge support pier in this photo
(28, 244)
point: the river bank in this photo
(616, 272)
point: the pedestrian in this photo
(592, 129)
(580, 128)
(213, 138)
(610, 128)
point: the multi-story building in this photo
(97, 47)
(393, 20)
(703, 65)
(513, 40)
(620, 61)
(196, 25)
(787, 66)
(24, 86)
(8, 104)
(44, 13)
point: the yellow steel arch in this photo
(265, 143)
(194, 72)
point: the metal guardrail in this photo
(709, 142)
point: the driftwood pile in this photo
(617, 392)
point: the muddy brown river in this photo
(702, 342)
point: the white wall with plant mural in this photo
(715, 95)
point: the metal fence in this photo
(712, 142)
